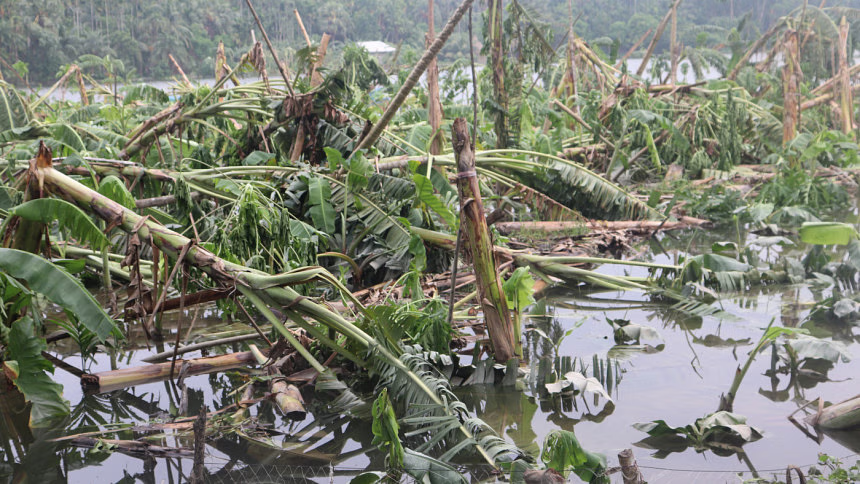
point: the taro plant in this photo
(719, 432)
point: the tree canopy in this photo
(48, 34)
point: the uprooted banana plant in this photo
(399, 369)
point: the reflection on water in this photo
(677, 374)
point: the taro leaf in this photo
(758, 212)
(114, 188)
(827, 233)
(557, 387)
(713, 425)
(59, 287)
(658, 428)
(322, 212)
(718, 430)
(68, 137)
(811, 347)
(724, 247)
(258, 158)
(562, 451)
(46, 210)
(519, 289)
(845, 307)
(583, 384)
(425, 194)
(721, 421)
(28, 369)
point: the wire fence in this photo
(224, 471)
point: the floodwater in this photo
(678, 380)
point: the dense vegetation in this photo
(48, 34)
(321, 212)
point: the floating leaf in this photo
(812, 347)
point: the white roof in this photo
(376, 47)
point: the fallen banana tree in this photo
(263, 290)
(108, 381)
(601, 225)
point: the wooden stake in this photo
(791, 84)
(198, 471)
(479, 244)
(846, 103)
(629, 470)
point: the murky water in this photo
(680, 378)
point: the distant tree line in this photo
(48, 34)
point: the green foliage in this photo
(519, 290)
(837, 472)
(729, 134)
(828, 233)
(60, 287)
(424, 324)
(386, 430)
(563, 452)
(794, 187)
(69, 217)
(425, 195)
(13, 110)
(321, 210)
(114, 188)
(29, 371)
